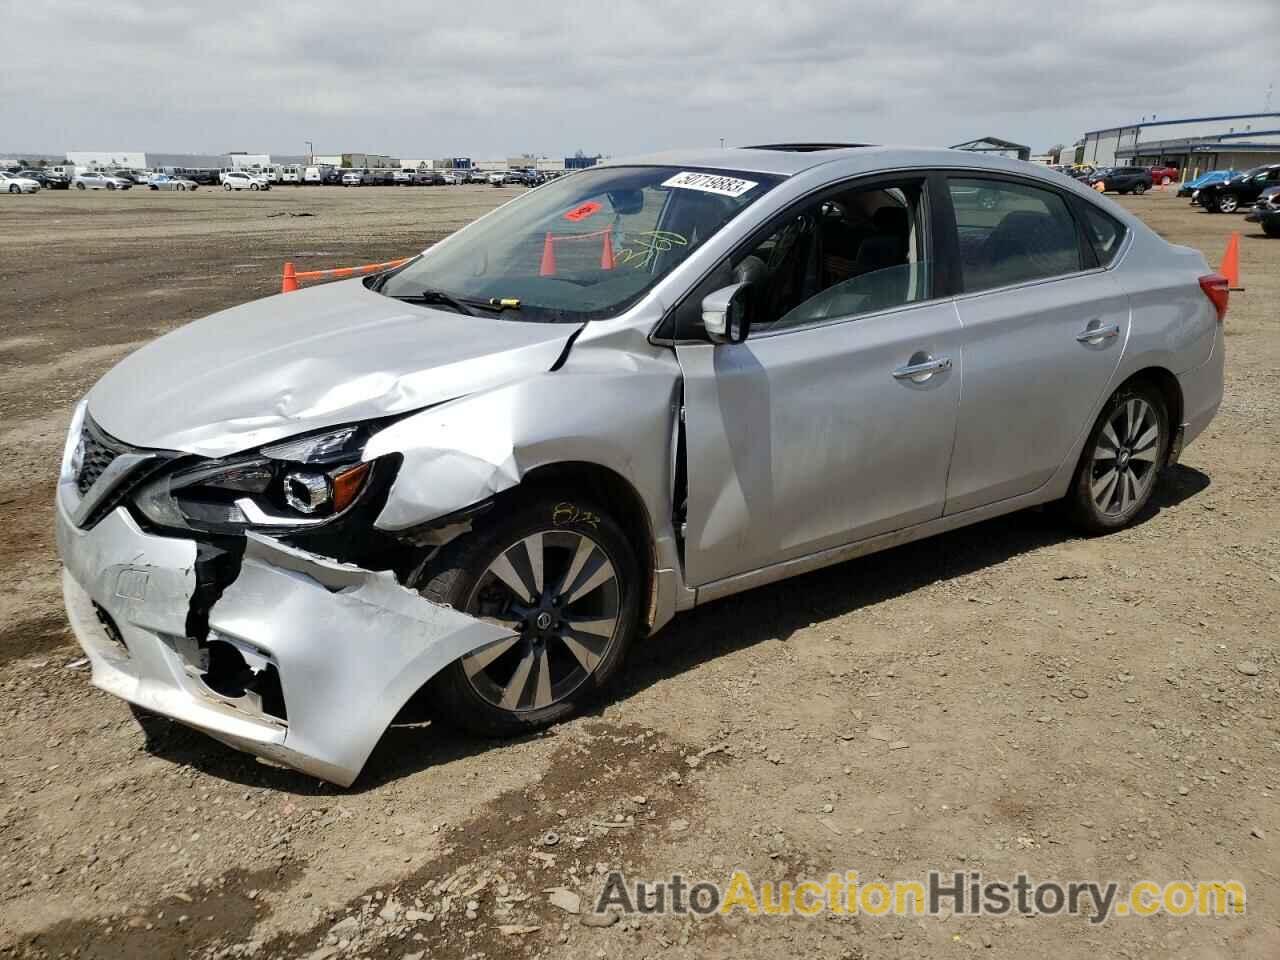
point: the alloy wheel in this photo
(1227, 203)
(1124, 458)
(558, 593)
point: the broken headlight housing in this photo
(301, 482)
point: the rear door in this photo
(1044, 325)
(834, 421)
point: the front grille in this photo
(98, 450)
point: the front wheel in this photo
(560, 577)
(111, 186)
(1140, 189)
(1228, 203)
(14, 188)
(254, 186)
(79, 186)
(227, 187)
(1121, 461)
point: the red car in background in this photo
(1161, 175)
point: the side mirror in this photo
(725, 314)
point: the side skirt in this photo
(827, 558)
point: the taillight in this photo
(1218, 289)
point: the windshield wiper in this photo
(467, 305)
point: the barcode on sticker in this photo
(710, 183)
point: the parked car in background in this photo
(243, 180)
(1163, 174)
(357, 178)
(493, 472)
(477, 176)
(450, 179)
(47, 179)
(497, 178)
(1266, 212)
(16, 183)
(1121, 179)
(1192, 187)
(291, 175)
(136, 177)
(1244, 188)
(404, 177)
(162, 181)
(97, 180)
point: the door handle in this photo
(1096, 335)
(921, 368)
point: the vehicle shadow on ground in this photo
(767, 613)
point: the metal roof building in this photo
(1237, 141)
(1004, 148)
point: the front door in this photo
(834, 421)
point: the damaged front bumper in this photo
(305, 660)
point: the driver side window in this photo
(851, 253)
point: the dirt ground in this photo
(1005, 698)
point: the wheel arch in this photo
(1170, 391)
(613, 491)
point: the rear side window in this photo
(1104, 231)
(1012, 233)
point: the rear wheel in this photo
(14, 188)
(254, 186)
(111, 186)
(226, 186)
(1121, 461)
(79, 186)
(561, 578)
(1140, 189)
(1228, 203)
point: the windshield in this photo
(585, 246)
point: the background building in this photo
(357, 161)
(1237, 141)
(1003, 148)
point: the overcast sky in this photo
(489, 78)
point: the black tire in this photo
(1081, 502)
(79, 186)
(227, 187)
(1140, 189)
(1271, 229)
(1228, 203)
(14, 188)
(111, 186)
(457, 575)
(254, 186)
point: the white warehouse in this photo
(1236, 141)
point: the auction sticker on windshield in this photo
(710, 183)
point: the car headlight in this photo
(299, 482)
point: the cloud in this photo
(500, 77)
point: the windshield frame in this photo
(527, 312)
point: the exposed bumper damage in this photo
(305, 660)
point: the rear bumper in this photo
(1202, 391)
(349, 646)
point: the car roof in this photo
(787, 160)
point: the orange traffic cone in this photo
(1231, 263)
(548, 268)
(289, 282)
(606, 251)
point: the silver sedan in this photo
(486, 475)
(162, 181)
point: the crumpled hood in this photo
(301, 361)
